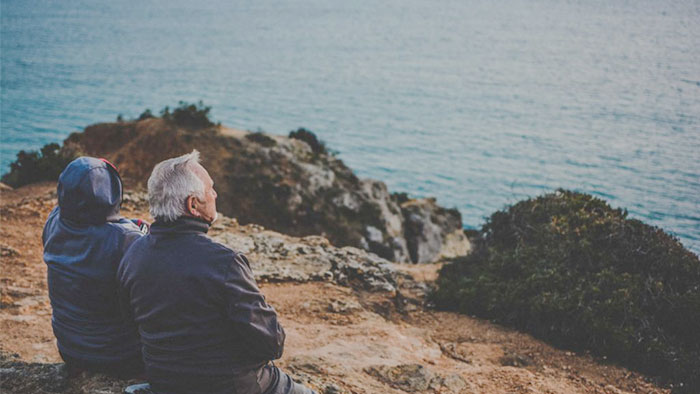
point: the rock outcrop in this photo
(285, 185)
(415, 378)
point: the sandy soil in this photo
(337, 337)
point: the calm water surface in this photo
(480, 103)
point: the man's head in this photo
(181, 187)
(89, 191)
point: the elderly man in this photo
(205, 327)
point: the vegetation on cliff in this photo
(189, 116)
(261, 138)
(48, 163)
(568, 268)
(36, 166)
(317, 146)
(293, 184)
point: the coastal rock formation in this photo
(424, 229)
(286, 185)
(311, 258)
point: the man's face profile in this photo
(204, 208)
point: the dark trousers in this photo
(125, 369)
(268, 380)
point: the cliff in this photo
(285, 184)
(355, 322)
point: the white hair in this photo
(171, 183)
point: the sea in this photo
(479, 103)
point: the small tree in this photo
(302, 134)
(190, 116)
(147, 114)
(262, 139)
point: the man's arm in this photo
(123, 296)
(252, 318)
(49, 220)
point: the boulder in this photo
(415, 378)
(276, 257)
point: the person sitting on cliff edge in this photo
(84, 239)
(205, 327)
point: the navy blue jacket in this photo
(201, 316)
(84, 239)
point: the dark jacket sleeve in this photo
(123, 297)
(251, 316)
(47, 227)
(122, 292)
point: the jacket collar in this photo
(181, 225)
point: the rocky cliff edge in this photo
(287, 185)
(355, 323)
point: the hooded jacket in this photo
(203, 322)
(84, 239)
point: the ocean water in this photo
(479, 103)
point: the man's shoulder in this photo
(122, 227)
(223, 257)
(216, 247)
(106, 231)
(202, 243)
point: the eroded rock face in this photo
(282, 184)
(275, 257)
(433, 232)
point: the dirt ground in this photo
(338, 339)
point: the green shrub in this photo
(400, 197)
(33, 166)
(147, 114)
(471, 233)
(317, 146)
(262, 139)
(189, 116)
(571, 270)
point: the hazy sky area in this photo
(479, 103)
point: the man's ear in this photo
(192, 206)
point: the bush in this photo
(317, 146)
(569, 269)
(147, 114)
(33, 166)
(189, 116)
(471, 233)
(262, 139)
